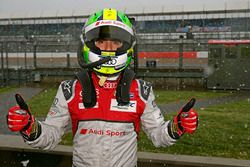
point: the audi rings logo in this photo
(111, 62)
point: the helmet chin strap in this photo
(96, 63)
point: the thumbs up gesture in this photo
(19, 117)
(186, 120)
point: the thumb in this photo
(189, 105)
(22, 104)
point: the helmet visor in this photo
(109, 32)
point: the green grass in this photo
(67, 139)
(223, 129)
(40, 104)
(7, 89)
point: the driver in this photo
(106, 105)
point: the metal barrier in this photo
(15, 153)
(23, 56)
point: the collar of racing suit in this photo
(121, 84)
(110, 83)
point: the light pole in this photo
(181, 53)
(34, 54)
(2, 67)
(7, 63)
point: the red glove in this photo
(20, 120)
(186, 122)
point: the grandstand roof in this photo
(59, 8)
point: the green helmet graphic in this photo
(112, 25)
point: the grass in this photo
(223, 129)
(223, 132)
(40, 104)
(6, 89)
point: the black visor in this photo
(109, 32)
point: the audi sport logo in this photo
(101, 132)
(97, 23)
(110, 22)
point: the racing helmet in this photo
(107, 24)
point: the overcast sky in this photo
(40, 8)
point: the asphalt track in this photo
(203, 103)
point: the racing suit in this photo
(105, 135)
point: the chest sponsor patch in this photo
(101, 132)
(131, 107)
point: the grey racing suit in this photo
(105, 135)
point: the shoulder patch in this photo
(67, 88)
(145, 88)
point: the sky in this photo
(44, 8)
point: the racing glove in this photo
(19, 119)
(186, 121)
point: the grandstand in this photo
(174, 40)
(204, 24)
